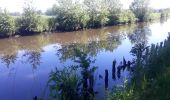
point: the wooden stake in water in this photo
(114, 70)
(106, 78)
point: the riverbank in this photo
(73, 16)
(47, 27)
(151, 74)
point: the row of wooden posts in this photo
(123, 65)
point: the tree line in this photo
(70, 15)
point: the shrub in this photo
(126, 16)
(7, 25)
(141, 9)
(74, 19)
(154, 16)
(52, 24)
(31, 22)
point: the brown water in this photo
(25, 62)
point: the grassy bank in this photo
(150, 79)
(72, 16)
(17, 25)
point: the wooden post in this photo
(124, 64)
(114, 70)
(106, 78)
(119, 71)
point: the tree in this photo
(141, 9)
(115, 9)
(7, 24)
(114, 6)
(30, 21)
(98, 12)
(51, 11)
(70, 16)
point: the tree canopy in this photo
(141, 9)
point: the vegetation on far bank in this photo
(69, 15)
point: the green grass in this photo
(151, 76)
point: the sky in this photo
(17, 5)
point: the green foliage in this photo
(151, 77)
(72, 15)
(154, 16)
(52, 25)
(98, 12)
(67, 84)
(103, 15)
(141, 9)
(126, 16)
(30, 21)
(120, 93)
(73, 19)
(7, 24)
(114, 6)
(64, 84)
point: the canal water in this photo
(26, 62)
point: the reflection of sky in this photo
(22, 77)
(159, 32)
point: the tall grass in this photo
(151, 76)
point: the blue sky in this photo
(17, 5)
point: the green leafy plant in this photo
(7, 24)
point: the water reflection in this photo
(92, 48)
(33, 58)
(44, 52)
(9, 59)
(114, 70)
(67, 84)
(140, 35)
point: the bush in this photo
(154, 16)
(141, 9)
(74, 19)
(52, 24)
(102, 18)
(7, 25)
(98, 12)
(126, 16)
(31, 22)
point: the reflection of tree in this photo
(163, 20)
(68, 84)
(8, 59)
(91, 48)
(33, 58)
(140, 35)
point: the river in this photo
(25, 62)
